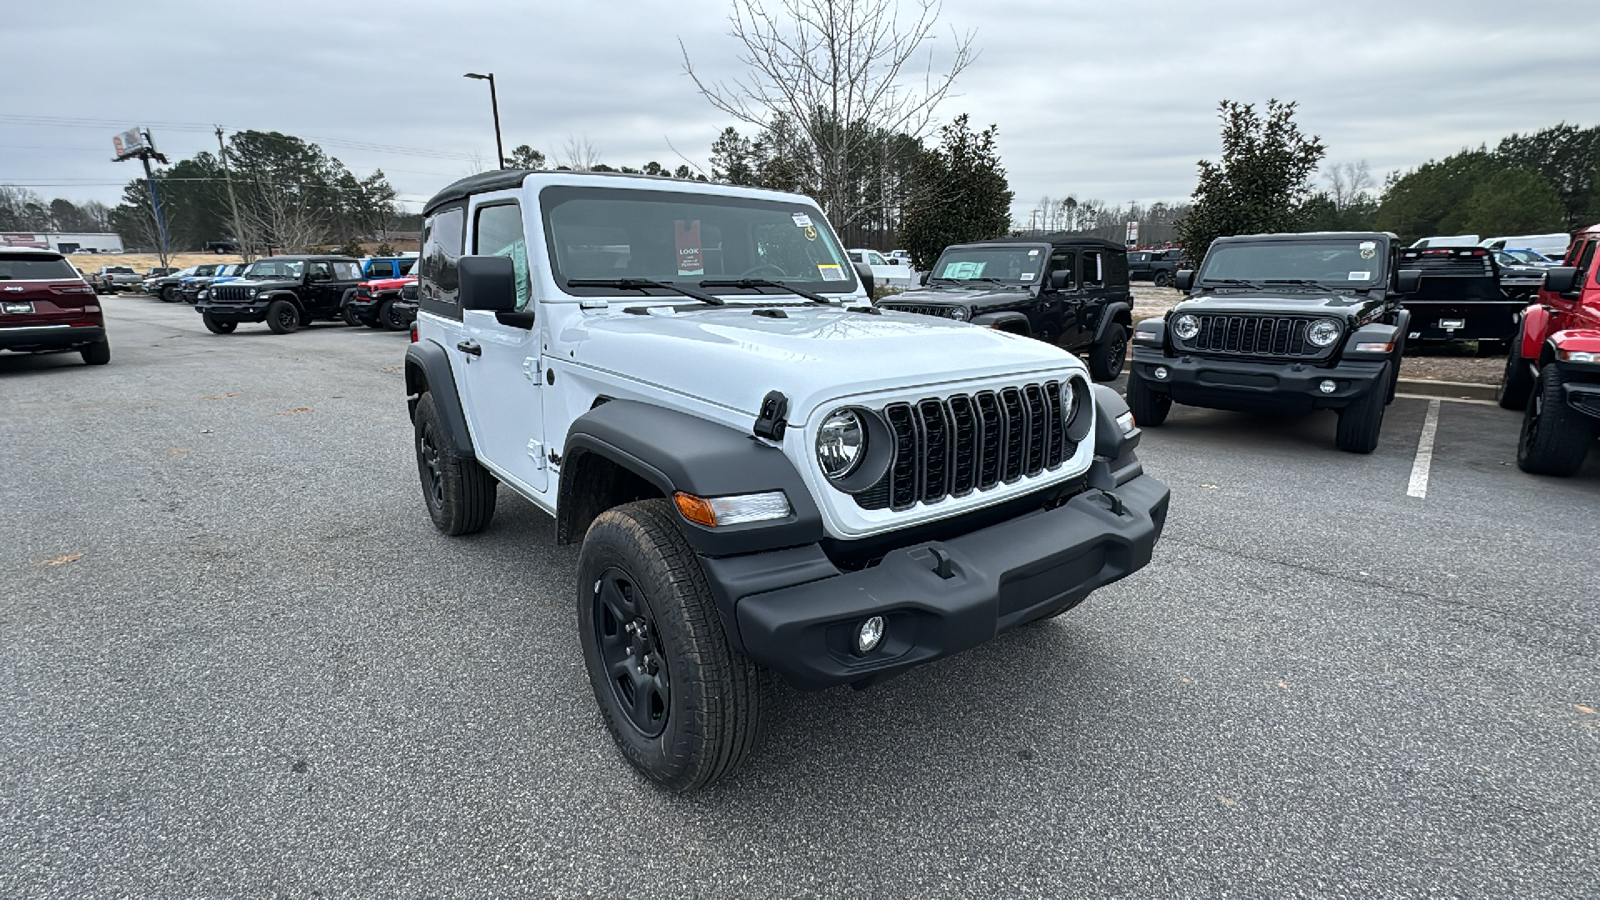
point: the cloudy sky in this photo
(1112, 101)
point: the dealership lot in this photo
(236, 659)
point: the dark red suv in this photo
(46, 305)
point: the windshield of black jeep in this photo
(1009, 265)
(1334, 262)
(275, 268)
(610, 234)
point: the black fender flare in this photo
(999, 320)
(427, 368)
(675, 451)
(290, 296)
(1114, 312)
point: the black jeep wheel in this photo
(1516, 382)
(216, 327)
(1149, 407)
(460, 493)
(1107, 357)
(350, 316)
(282, 317)
(1360, 422)
(683, 706)
(1162, 279)
(1555, 437)
(390, 317)
(169, 294)
(97, 354)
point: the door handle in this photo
(470, 347)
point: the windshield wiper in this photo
(1309, 281)
(1230, 281)
(643, 284)
(757, 283)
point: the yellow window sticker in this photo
(830, 272)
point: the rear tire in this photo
(1149, 407)
(1108, 356)
(97, 354)
(459, 493)
(1516, 383)
(215, 327)
(282, 317)
(1555, 438)
(646, 613)
(1360, 422)
(1162, 279)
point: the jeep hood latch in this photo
(770, 423)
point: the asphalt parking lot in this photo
(237, 660)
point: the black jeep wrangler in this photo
(1281, 323)
(286, 292)
(1065, 289)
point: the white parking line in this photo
(1419, 469)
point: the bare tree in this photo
(578, 154)
(844, 71)
(1347, 182)
(283, 221)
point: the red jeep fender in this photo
(1535, 322)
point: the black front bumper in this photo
(233, 312)
(937, 598)
(50, 337)
(1479, 321)
(1255, 385)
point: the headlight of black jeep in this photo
(959, 313)
(1185, 327)
(1323, 333)
(841, 442)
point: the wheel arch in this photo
(1115, 313)
(427, 369)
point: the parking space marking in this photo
(1419, 469)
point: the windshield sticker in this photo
(961, 270)
(830, 272)
(1360, 276)
(687, 232)
(801, 220)
(1033, 253)
(1026, 276)
(1369, 249)
(811, 233)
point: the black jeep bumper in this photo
(234, 312)
(50, 337)
(1252, 385)
(936, 598)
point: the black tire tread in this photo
(1361, 422)
(1100, 355)
(97, 354)
(469, 489)
(1149, 407)
(274, 323)
(1516, 382)
(1562, 441)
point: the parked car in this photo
(1280, 323)
(1064, 289)
(887, 271)
(286, 292)
(1553, 370)
(1456, 240)
(1552, 246)
(1529, 257)
(1159, 266)
(1519, 280)
(374, 302)
(167, 287)
(45, 305)
(405, 308)
(159, 271)
(387, 266)
(112, 279)
(190, 288)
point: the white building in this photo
(63, 243)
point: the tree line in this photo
(23, 210)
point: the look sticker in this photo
(687, 232)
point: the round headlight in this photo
(1323, 332)
(1186, 327)
(959, 313)
(840, 443)
(1069, 403)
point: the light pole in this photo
(494, 102)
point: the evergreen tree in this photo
(961, 194)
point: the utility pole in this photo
(233, 202)
(494, 103)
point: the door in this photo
(504, 376)
(1062, 305)
(319, 282)
(1091, 298)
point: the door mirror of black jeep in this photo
(1406, 281)
(865, 274)
(1561, 279)
(1060, 280)
(923, 278)
(1183, 279)
(488, 283)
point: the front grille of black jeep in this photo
(1254, 336)
(952, 446)
(943, 312)
(227, 293)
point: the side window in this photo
(347, 271)
(319, 271)
(406, 265)
(498, 232)
(1092, 271)
(1061, 261)
(442, 235)
(1584, 259)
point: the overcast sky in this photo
(1112, 101)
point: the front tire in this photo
(459, 493)
(282, 317)
(350, 316)
(169, 294)
(1108, 356)
(1162, 279)
(1555, 438)
(97, 354)
(1149, 407)
(216, 327)
(389, 317)
(683, 706)
(1360, 422)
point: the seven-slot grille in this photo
(227, 293)
(943, 312)
(953, 446)
(1254, 336)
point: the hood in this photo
(953, 296)
(1283, 302)
(264, 282)
(389, 284)
(732, 357)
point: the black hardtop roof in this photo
(1058, 239)
(309, 257)
(1309, 235)
(501, 179)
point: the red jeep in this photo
(46, 305)
(1553, 369)
(373, 303)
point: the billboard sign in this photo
(129, 143)
(1133, 234)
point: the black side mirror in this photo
(865, 274)
(1183, 279)
(922, 279)
(1561, 279)
(1406, 281)
(1060, 280)
(488, 283)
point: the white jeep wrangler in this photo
(767, 474)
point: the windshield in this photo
(1333, 262)
(34, 267)
(1015, 265)
(667, 236)
(275, 268)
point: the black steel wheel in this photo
(1107, 357)
(1163, 279)
(630, 650)
(350, 316)
(282, 317)
(169, 294)
(390, 317)
(459, 493)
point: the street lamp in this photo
(494, 102)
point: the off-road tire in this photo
(97, 354)
(1149, 407)
(350, 316)
(282, 317)
(1555, 437)
(1360, 422)
(1107, 357)
(1516, 382)
(215, 327)
(715, 706)
(387, 317)
(169, 294)
(1162, 279)
(459, 493)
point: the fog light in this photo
(1161, 373)
(870, 634)
(1327, 387)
